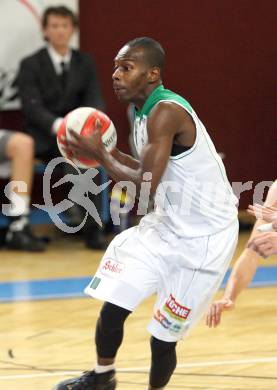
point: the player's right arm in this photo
(125, 159)
(243, 271)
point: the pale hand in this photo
(267, 213)
(265, 244)
(213, 316)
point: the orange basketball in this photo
(82, 121)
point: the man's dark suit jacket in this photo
(44, 100)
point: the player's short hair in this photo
(60, 10)
(154, 52)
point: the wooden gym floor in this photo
(44, 341)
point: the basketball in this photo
(82, 121)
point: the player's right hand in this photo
(213, 316)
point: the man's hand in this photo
(90, 147)
(213, 316)
(267, 213)
(265, 244)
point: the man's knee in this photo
(20, 144)
(109, 330)
(112, 317)
(160, 348)
(163, 362)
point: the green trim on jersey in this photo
(158, 94)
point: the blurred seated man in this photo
(19, 149)
(52, 82)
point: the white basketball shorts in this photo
(184, 272)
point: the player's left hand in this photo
(90, 147)
(265, 244)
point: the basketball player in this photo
(182, 249)
(246, 265)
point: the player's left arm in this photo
(164, 123)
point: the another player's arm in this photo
(265, 244)
(267, 212)
(244, 270)
(246, 265)
(242, 273)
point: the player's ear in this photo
(154, 74)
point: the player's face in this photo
(131, 75)
(58, 31)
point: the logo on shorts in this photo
(175, 310)
(164, 321)
(94, 283)
(112, 268)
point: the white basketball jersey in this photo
(194, 197)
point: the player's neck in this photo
(140, 100)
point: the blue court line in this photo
(30, 290)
